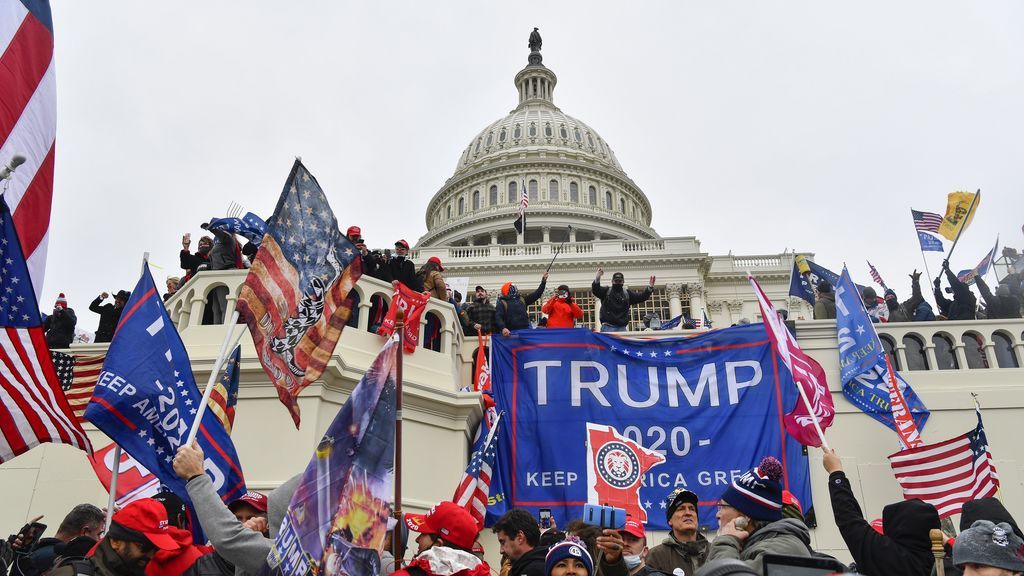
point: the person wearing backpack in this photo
(512, 307)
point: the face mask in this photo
(632, 561)
(513, 292)
(205, 249)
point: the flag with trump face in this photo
(295, 298)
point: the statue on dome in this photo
(535, 41)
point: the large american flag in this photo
(876, 276)
(475, 486)
(295, 298)
(77, 374)
(28, 123)
(524, 201)
(926, 221)
(947, 474)
(33, 409)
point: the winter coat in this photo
(963, 304)
(672, 554)
(60, 329)
(878, 313)
(481, 313)
(905, 548)
(511, 311)
(998, 307)
(562, 313)
(104, 561)
(109, 317)
(191, 263)
(914, 309)
(787, 536)
(39, 560)
(176, 562)
(402, 270)
(531, 563)
(226, 254)
(604, 568)
(434, 283)
(825, 306)
(615, 303)
(445, 561)
(990, 509)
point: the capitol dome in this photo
(577, 189)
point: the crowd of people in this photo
(1006, 302)
(756, 517)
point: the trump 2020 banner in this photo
(711, 405)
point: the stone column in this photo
(494, 238)
(696, 292)
(714, 311)
(364, 312)
(572, 235)
(735, 310)
(546, 230)
(597, 235)
(675, 305)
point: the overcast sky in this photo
(754, 126)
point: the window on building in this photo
(590, 139)
(576, 134)
(608, 200)
(449, 211)
(592, 196)
(916, 357)
(583, 298)
(513, 193)
(476, 199)
(490, 139)
(533, 190)
(517, 133)
(553, 190)
(533, 130)
(974, 348)
(622, 205)
(462, 205)
(477, 150)
(503, 135)
(1004, 351)
(890, 350)
(548, 131)
(944, 356)
(657, 304)
(574, 192)
(563, 132)
(493, 195)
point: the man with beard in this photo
(685, 548)
(615, 301)
(478, 316)
(110, 314)
(135, 535)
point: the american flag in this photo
(295, 298)
(524, 201)
(876, 276)
(33, 409)
(224, 395)
(947, 474)
(77, 374)
(28, 123)
(926, 221)
(475, 486)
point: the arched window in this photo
(533, 190)
(574, 192)
(592, 196)
(462, 205)
(548, 131)
(513, 193)
(532, 130)
(576, 134)
(890, 350)
(563, 132)
(553, 190)
(493, 195)
(490, 139)
(1004, 351)
(622, 205)
(477, 150)
(916, 358)
(608, 200)
(944, 356)
(974, 348)
(517, 132)
(476, 199)
(590, 139)
(449, 211)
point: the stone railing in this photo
(741, 264)
(955, 345)
(612, 248)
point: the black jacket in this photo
(511, 312)
(905, 548)
(191, 263)
(402, 270)
(996, 306)
(109, 316)
(963, 304)
(60, 330)
(531, 563)
(615, 303)
(990, 509)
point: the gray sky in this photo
(754, 126)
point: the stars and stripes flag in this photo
(33, 409)
(926, 221)
(77, 374)
(475, 486)
(808, 375)
(947, 474)
(28, 123)
(524, 202)
(295, 298)
(876, 276)
(706, 320)
(224, 395)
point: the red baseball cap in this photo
(251, 498)
(447, 520)
(150, 518)
(635, 528)
(791, 499)
(402, 243)
(437, 261)
(354, 231)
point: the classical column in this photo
(494, 238)
(735, 310)
(714, 310)
(696, 292)
(364, 312)
(675, 305)
(572, 235)
(546, 230)
(597, 235)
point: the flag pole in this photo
(116, 471)
(970, 214)
(925, 260)
(557, 252)
(396, 535)
(229, 337)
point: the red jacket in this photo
(561, 313)
(175, 562)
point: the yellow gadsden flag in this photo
(960, 209)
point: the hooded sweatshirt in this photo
(904, 549)
(788, 536)
(672, 554)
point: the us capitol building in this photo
(579, 195)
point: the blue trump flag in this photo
(659, 414)
(338, 515)
(802, 285)
(251, 227)
(146, 397)
(862, 367)
(929, 243)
